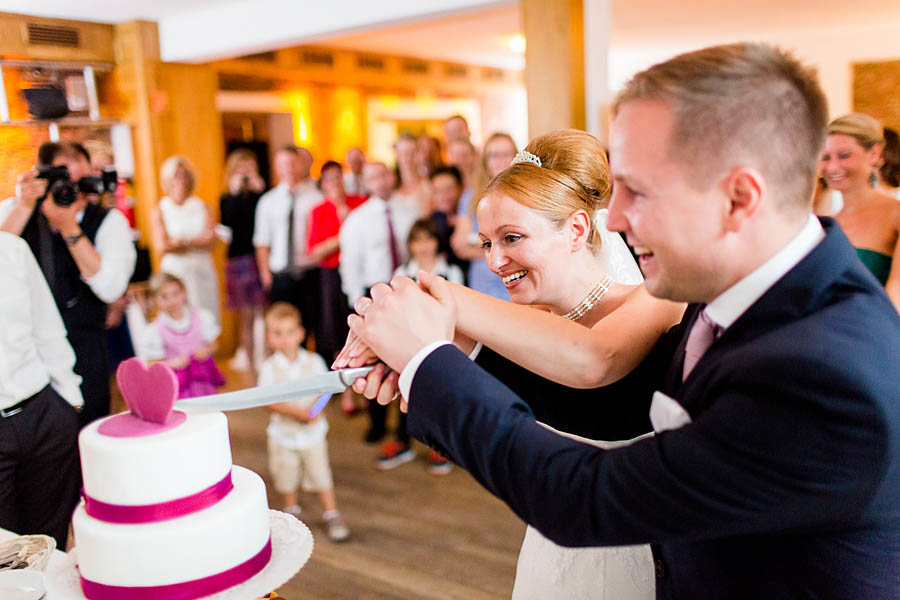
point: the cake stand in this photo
(292, 545)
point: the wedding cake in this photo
(165, 513)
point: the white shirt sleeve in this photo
(262, 229)
(351, 264)
(208, 325)
(6, 207)
(152, 343)
(409, 371)
(49, 333)
(114, 243)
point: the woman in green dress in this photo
(870, 217)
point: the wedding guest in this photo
(869, 217)
(499, 151)
(423, 245)
(446, 190)
(355, 160)
(237, 211)
(324, 247)
(889, 172)
(39, 393)
(371, 241)
(456, 127)
(287, 271)
(429, 155)
(772, 456)
(86, 253)
(184, 337)
(298, 451)
(412, 188)
(182, 227)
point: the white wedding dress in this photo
(547, 570)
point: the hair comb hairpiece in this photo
(526, 157)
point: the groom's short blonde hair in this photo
(741, 104)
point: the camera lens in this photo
(63, 193)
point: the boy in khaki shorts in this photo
(298, 453)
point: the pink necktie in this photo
(703, 333)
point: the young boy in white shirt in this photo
(298, 452)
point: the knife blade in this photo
(316, 385)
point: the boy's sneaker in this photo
(337, 529)
(294, 511)
(393, 454)
(438, 465)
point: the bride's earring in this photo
(873, 178)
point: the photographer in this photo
(85, 253)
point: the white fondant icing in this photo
(183, 549)
(146, 470)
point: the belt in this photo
(11, 411)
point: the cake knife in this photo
(315, 385)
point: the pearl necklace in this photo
(592, 298)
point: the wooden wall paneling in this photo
(876, 91)
(95, 40)
(554, 64)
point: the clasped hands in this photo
(392, 326)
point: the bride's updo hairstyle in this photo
(574, 175)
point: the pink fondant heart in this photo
(149, 393)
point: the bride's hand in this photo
(355, 352)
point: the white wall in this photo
(831, 52)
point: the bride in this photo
(539, 236)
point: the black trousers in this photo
(92, 364)
(301, 290)
(40, 474)
(333, 312)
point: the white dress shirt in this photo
(285, 431)
(365, 253)
(271, 229)
(34, 350)
(114, 243)
(724, 310)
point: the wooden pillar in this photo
(137, 58)
(172, 110)
(554, 64)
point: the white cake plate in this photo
(292, 545)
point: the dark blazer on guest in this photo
(786, 484)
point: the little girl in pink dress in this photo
(183, 337)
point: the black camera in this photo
(59, 186)
(64, 191)
(107, 182)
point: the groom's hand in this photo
(403, 319)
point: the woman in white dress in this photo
(183, 231)
(539, 236)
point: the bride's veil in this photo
(615, 257)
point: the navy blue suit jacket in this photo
(785, 485)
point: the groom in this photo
(776, 469)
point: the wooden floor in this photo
(413, 535)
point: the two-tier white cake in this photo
(165, 513)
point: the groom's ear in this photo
(744, 190)
(579, 229)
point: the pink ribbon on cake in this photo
(186, 590)
(162, 511)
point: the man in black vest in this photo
(87, 256)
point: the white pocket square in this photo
(666, 413)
